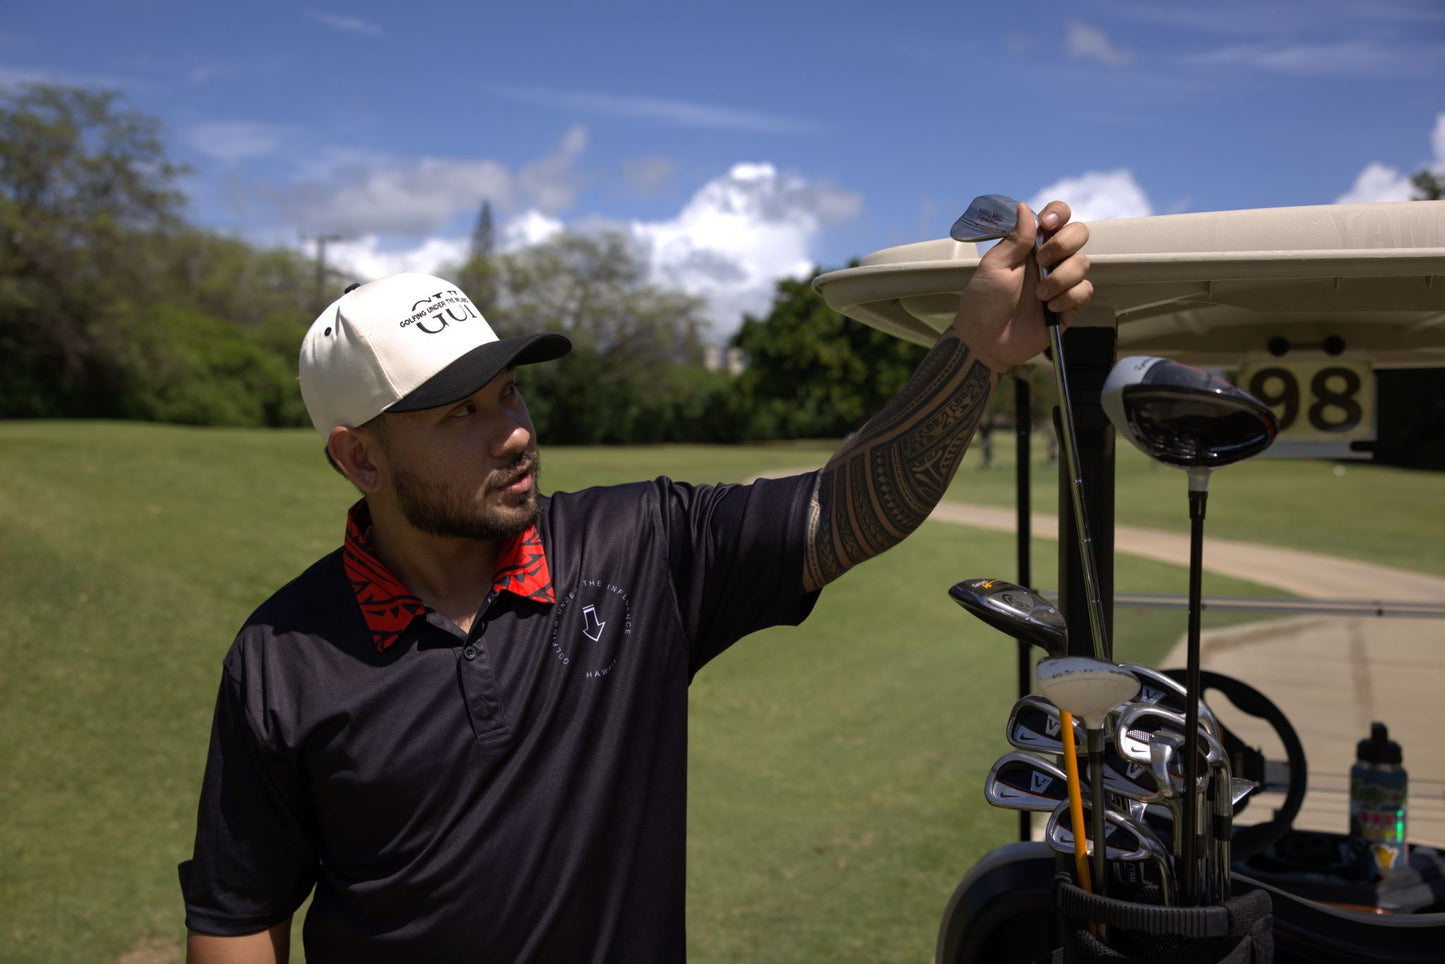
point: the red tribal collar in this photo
(389, 607)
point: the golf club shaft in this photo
(1076, 483)
(1076, 800)
(1095, 737)
(1191, 855)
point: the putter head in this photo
(1184, 416)
(1015, 610)
(988, 218)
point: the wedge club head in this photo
(988, 218)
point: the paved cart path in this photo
(1331, 675)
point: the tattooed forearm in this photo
(887, 478)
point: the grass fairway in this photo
(837, 768)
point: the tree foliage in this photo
(811, 372)
(81, 179)
(110, 305)
(637, 348)
(1428, 186)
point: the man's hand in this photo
(1000, 314)
(887, 477)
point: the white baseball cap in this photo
(405, 343)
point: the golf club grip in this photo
(1051, 317)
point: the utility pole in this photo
(321, 239)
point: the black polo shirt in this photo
(516, 793)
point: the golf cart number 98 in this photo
(1334, 394)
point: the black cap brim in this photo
(479, 366)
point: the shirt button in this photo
(469, 653)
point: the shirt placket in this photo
(479, 681)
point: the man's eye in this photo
(462, 411)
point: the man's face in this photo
(466, 470)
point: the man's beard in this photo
(431, 509)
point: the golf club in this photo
(1034, 725)
(1163, 690)
(987, 218)
(1141, 730)
(1027, 616)
(1197, 421)
(1125, 840)
(1088, 688)
(1023, 781)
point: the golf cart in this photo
(1305, 305)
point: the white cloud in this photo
(1381, 182)
(344, 23)
(528, 229)
(418, 196)
(738, 235)
(675, 113)
(550, 183)
(731, 242)
(1377, 182)
(647, 176)
(412, 197)
(1091, 43)
(364, 258)
(1343, 58)
(1098, 196)
(232, 141)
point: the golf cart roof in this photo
(1212, 288)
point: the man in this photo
(466, 728)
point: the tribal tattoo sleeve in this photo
(885, 479)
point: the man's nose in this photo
(514, 438)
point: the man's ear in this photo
(356, 453)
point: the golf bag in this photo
(1239, 931)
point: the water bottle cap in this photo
(1379, 748)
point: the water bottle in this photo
(1377, 803)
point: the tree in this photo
(81, 179)
(1428, 186)
(478, 274)
(811, 372)
(629, 337)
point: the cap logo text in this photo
(433, 314)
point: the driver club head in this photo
(1184, 416)
(988, 218)
(1020, 612)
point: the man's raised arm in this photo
(887, 477)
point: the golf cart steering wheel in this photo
(1248, 762)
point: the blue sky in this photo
(737, 143)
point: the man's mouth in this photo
(519, 480)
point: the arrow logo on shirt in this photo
(592, 625)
